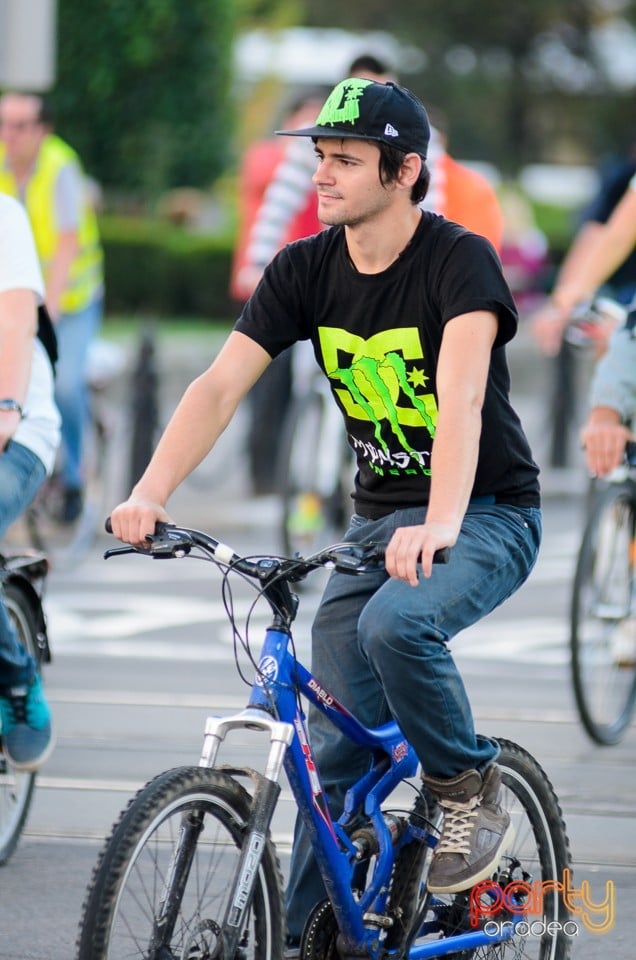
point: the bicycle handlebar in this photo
(170, 541)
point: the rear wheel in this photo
(603, 617)
(538, 854)
(16, 787)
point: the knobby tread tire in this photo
(135, 820)
(523, 775)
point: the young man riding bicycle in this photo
(408, 315)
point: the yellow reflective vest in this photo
(86, 273)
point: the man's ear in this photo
(410, 170)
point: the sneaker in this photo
(474, 833)
(26, 726)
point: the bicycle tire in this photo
(540, 850)
(603, 617)
(16, 787)
(314, 511)
(130, 876)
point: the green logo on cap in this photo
(342, 104)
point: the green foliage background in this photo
(142, 90)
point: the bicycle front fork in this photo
(266, 793)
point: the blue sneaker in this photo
(26, 726)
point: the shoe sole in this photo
(484, 874)
(32, 766)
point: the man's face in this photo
(20, 128)
(348, 182)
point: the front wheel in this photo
(16, 787)
(603, 617)
(531, 874)
(163, 881)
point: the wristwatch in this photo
(11, 406)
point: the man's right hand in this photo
(134, 520)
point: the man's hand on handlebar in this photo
(410, 545)
(134, 520)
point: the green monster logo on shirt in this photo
(375, 380)
(342, 104)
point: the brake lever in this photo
(118, 551)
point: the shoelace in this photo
(17, 712)
(458, 824)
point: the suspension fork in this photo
(266, 793)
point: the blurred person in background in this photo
(29, 436)
(606, 252)
(610, 421)
(550, 321)
(590, 257)
(45, 174)
(613, 390)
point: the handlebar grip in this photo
(108, 525)
(377, 552)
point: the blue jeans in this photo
(75, 331)
(21, 475)
(381, 647)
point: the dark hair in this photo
(391, 161)
(45, 113)
(368, 63)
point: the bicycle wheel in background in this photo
(603, 617)
(16, 787)
(316, 470)
(538, 854)
(189, 819)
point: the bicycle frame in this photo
(279, 677)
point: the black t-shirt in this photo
(377, 337)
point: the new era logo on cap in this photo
(360, 108)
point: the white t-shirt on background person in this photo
(39, 430)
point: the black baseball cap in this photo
(368, 110)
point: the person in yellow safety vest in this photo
(45, 174)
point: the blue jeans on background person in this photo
(75, 332)
(21, 475)
(380, 646)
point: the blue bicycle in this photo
(190, 871)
